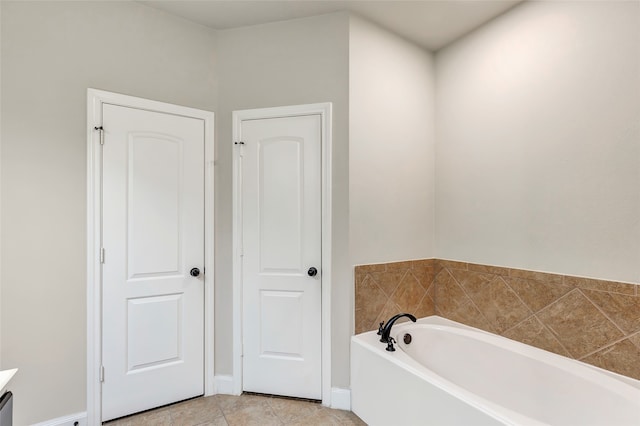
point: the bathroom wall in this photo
(391, 146)
(538, 152)
(285, 63)
(594, 321)
(51, 53)
(537, 169)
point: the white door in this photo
(153, 235)
(281, 243)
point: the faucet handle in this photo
(390, 343)
(380, 328)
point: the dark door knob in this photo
(312, 272)
(194, 272)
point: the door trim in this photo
(95, 101)
(324, 110)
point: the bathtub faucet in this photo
(386, 330)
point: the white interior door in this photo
(281, 241)
(153, 235)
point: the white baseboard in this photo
(223, 384)
(77, 419)
(341, 399)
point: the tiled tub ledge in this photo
(594, 321)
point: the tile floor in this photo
(222, 410)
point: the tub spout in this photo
(386, 331)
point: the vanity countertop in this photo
(5, 376)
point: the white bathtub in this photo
(451, 374)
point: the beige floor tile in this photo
(346, 417)
(159, 417)
(290, 410)
(193, 416)
(328, 417)
(252, 415)
(322, 417)
(195, 412)
(243, 410)
(231, 403)
(220, 421)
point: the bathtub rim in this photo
(522, 347)
(370, 341)
(401, 359)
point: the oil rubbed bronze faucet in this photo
(385, 330)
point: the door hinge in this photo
(101, 130)
(101, 373)
(101, 254)
(238, 143)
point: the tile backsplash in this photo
(384, 290)
(594, 321)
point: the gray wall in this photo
(285, 63)
(538, 141)
(391, 146)
(51, 53)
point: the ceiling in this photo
(431, 24)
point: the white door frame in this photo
(95, 100)
(324, 110)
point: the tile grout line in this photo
(424, 291)
(519, 299)
(388, 297)
(396, 287)
(526, 305)
(608, 345)
(549, 328)
(274, 411)
(586, 296)
(534, 314)
(493, 329)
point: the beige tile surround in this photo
(383, 290)
(594, 321)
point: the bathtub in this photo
(452, 374)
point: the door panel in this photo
(279, 336)
(155, 169)
(281, 217)
(163, 313)
(153, 234)
(281, 165)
